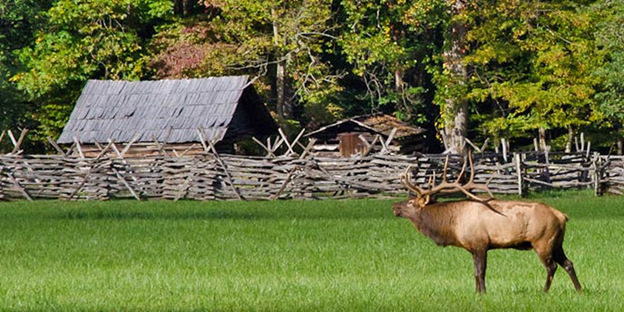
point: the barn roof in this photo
(377, 123)
(166, 110)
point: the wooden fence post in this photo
(56, 147)
(19, 187)
(220, 161)
(547, 167)
(307, 148)
(518, 162)
(504, 144)
(267, 149)
(1, 187)
(16, 149)
(598, 169)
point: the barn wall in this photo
(349, 143)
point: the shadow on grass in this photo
(210, 210)
(145, 215)
(213, 215)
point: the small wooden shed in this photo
(169, 114)
(368, 133)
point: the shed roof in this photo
(166, 110)
(377, 123)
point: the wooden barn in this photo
(368, 134)
(175, 116)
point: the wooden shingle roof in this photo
(166, 110)
(377, 123)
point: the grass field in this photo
(285, 256)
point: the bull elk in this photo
(479, 224)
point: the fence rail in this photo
(227, 177)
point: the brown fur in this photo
(479, 227)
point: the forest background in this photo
(510, 69)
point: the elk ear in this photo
(415, 202)
(422, 202)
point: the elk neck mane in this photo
(437, 221)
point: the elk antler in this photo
(446, 187)
(406, 177)
(471, 185)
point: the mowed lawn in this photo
(286, 256)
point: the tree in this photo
(390, 45)
(18, 22)
(532, 61)
(610, 37)
(452, 83)
(283, 40)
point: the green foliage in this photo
(390, 45)
(285, 256)
(19, 20)
(321, 106)
(532, 64)
(610, 37)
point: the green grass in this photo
(285, 256)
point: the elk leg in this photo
(551, 268)
(568, 266)
(480, 264)
(545, 255)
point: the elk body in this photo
(479, 225)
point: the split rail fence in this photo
(228, 177)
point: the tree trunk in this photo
(399, 87)
(568, 145)
(542, 138)
(182, 7)
(186, 6)
(620, 138)
(456, 131)
(282, 106)
(280, 89)
(456, 121)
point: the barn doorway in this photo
(351, 144)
